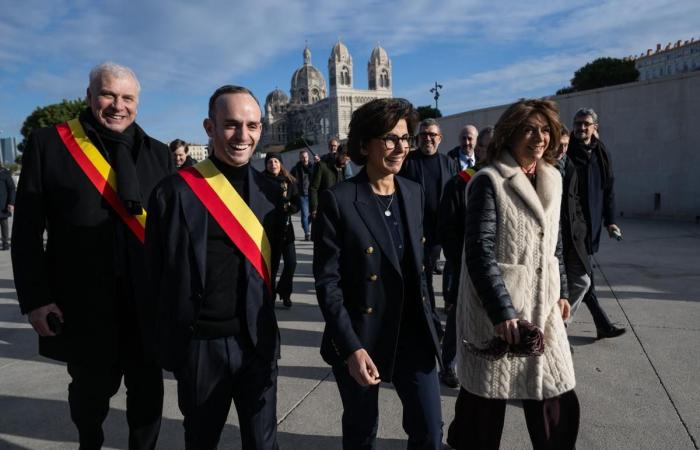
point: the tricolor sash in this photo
(100, 173)
(466, 174)
(232, 213)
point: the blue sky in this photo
(484, 53)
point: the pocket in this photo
(518, 284)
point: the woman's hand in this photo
(362, 368)
(508, 331)
(565, 308)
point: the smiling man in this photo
(86, 182)
(214, 230)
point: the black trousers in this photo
(5, 233)
(218, 371)
(478, 424)
(93, 385)
(286, 282)
(430, 259)
(600, 318)
(416, 382)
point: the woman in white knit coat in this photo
(513, 270)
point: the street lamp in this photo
(436, 91)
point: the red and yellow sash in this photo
(99, 172)
(232, 213)
(467, 174)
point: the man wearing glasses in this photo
(432, 170)
(595, 178)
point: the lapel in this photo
(196, 217)
(413, 218)
(518, 181)
(261, 206)
(444, 172)
(371, 214)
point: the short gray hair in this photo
(113, 69)
(587, 112)
(425, 123)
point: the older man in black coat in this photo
(7, 204)
(593, 167)
(85, 291)
(432, 170)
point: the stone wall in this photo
(652, 129)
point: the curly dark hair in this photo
(375, 118)
(513, 119)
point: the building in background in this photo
(318, 114)
(198, 152)
(675, 58)
(8, 150)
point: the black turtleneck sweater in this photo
(222, 312)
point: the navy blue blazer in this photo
(176, 243)
(359, 279)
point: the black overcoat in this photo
(176, 240)
(359, 280)
(87, 248)
(7, 192)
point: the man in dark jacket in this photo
(7, 204)
(214, 231)
(432, 170)
(463, 155)
(87, 182)
(303, 172)
(595, 189)
(327, 174)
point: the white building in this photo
(670, 60)
(316, 115)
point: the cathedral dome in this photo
(308, 84)
(276, 96)
(379, 55)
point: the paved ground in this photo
(639, 391)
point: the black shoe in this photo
(287, 302)
(449, 378)
(307, 237)
(611, 333)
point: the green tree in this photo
(428, 112)
(600, 73)
(45, 116)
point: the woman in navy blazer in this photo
(368, 251)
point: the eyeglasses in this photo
(426, 134)
(391, 141)
(583, 123)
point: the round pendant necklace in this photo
(386, 208)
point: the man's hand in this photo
(11, 209)
(614, 231)
(313, 215)
(37, 317)
(508, 331)
(317, 158)
(362, 368)
(565, 308)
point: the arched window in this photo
(345, 76)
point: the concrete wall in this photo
(652, 129)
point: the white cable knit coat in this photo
(528, 226)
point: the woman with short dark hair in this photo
(513, 294)
(370, 284)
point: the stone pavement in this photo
(639, 391)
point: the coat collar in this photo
(371, 214)
(540, 199)
(196, 218)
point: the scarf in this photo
(121, 150)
